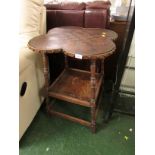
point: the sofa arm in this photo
(43, 20)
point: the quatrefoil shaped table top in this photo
(87, 42)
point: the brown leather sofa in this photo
(90, 15)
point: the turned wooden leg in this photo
(46, 76)
(93, 119)
(93, 90)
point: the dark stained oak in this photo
(74, 85)
(89, 42)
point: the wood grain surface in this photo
(74, 85)
(88, 42)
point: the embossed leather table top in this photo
(87, 42)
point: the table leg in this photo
(46, 76)
(93, 90)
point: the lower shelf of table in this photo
(73, 86)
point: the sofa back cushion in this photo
(95, 18)
(51, 19)
(97, 14)
(56, 18)
(90, 14)
(65, 6)
(53, 6)
(73, 6)
(98, 5)
(65, 14)
(70, 17)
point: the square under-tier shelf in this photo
(74, 86)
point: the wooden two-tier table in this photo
(73, 85)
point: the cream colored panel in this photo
(128, 89)
(132, 47)
(39, 2)
(130, 62)
(131, 56)
(128, 78)
(39, 72)
(32, 23)
(25, 37)
(26, 59)
(30, 102)
(43, 21)
(30, 16)
(26, 56)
